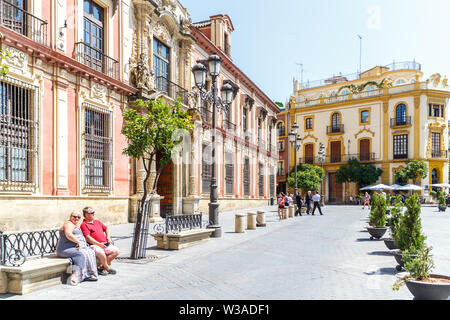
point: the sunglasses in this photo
(76, 217)
(90, 212)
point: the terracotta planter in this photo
(429, 291)
(389, 242)
(376, 233)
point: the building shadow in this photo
(380, 253)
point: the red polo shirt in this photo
(96, 230)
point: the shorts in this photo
(108, 250)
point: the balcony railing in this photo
(335, 129)
(97, 60)
(396, 122)
(171, 89)
(363, 157)
(206, 115)
(228, 125)
(22, 22)
(442, 154)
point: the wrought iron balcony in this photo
(335, 129)
(228, 125)
(396, 122)
(22, 22)
(363, 157)
(441, 154)
(171, 89)
(96, 59)
(206, 114)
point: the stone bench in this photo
(183, 239)
(34, 274)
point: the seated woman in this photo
(72, 244)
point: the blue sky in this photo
(272, 36)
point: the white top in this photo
(290, 200)
(316, 197)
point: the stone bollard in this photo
(285, 213)
(261, 219)
(251, 221)
(239, 225)
(291, 211)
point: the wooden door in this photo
(165, 189)
(364, 150)
(335, 151)
(335, 189)
(309, 153)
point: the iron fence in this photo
(176, 224)
(15, 248)
(401, 121)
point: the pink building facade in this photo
(61, 113)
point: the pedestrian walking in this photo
(298, 200)
(289, 200)
(366, 201)
(281, 203)
(308, 200)
(316, 198)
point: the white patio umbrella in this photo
(441, 185)
(380, 187)
(366, 188)
(409, 187)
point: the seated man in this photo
(97, 235)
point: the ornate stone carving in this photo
(16, 59)
(435, 79)
(98, 92)
(142, 77)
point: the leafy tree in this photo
(4, 68)
(152, 129)
(414, 169)
(309, 177)
(409, 233)
(354, 172)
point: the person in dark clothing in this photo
(308, 202)
(298, 201)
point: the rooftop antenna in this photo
(360, 52)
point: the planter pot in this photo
(442, 208)
(430, 291)
(389, 242)
(376, 233)
(398, 257)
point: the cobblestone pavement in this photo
(305, 258)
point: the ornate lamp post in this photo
(322, 160)
(296, 142)
(199, 71)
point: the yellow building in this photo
(384, 116)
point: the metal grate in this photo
(261, 180)
(98, 149)
(229, 173)
(18, 137)
(246, 177)
(206, 170)
(95, 59)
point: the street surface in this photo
(305, 258)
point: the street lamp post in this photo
(199, 71)
(322, 160)
(296, 142)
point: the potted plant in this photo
(409, 232)
(420, 282)
(377, 219)
(394, 221)
(433, 195)
(442, 203)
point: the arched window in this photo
(435, 179)
(400, 115)
(344, 92)
(336, 122)
(280, 128)
(400, 81)
(371, 88)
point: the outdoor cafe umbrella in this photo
(380, 187)
(441, 185)
(409, 187)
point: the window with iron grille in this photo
(261, 180)
(271, 182)
(229, 172)
(206, 170)
(18, 136)
(93, 35)
(244, 119)
(401, 146)
(97, 149)
(246, 177)
(436, 144)
(309, 123)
